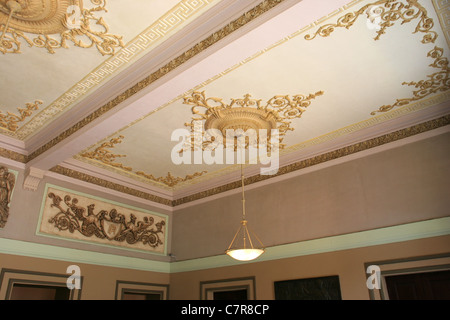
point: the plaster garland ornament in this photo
(437, 82)
(55, 22)
(104, 155)
(9, 121)
(171, 180)
(7, 182)
(385, 13)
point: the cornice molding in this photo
(13, 155)
(110, 185)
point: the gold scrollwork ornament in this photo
(387, 13)
(9, 121)
(437, 82)
(105, 156)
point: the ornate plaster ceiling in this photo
(59, 74)
(365, 69)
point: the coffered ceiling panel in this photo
(362, 72)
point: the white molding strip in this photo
(405, 232)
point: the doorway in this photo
(419, 286)
(39, 292)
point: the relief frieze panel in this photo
(76, 216)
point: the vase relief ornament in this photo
(80, 217)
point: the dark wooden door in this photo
(39, 292)
(231, 295)
(419, 286)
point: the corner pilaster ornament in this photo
(33, 178)
(7, 182)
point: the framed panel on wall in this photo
(228, 289)
(322, 288)
(127, 290)
(30, 285)
(80, 217)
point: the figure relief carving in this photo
(7, 182)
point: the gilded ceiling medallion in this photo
(29, 16)
(56, 22)
(241, 118)
(244, 114)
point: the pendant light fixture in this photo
(242, 246)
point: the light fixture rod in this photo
(234, 238)
(249, 238)
(244, 253)
(243, 194)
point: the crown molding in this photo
(100, 184)
(88, 169)
(12, 144)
